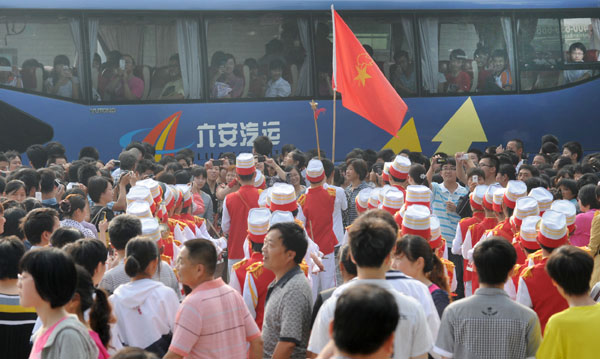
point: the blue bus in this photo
(213, 75)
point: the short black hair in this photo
(122, 228)
(85, 172)
(575, 148)
(38, 156)
(144, 165)
(246, 178)
(287, 148)
(29, 176)
(587, 179)
(494, 258)
(89, 151)
(577, 45)
(47, 180)
(182, 177)
(365, 316)
(587, 196)
(181, 156)
(87, 252)
(534, 171)
(346, 261)
(549, 148)
(493, 161)
(550, 138)
(13, 216)
(262, 144)
(328, 167)
(65, 235)
(570, 184)
(571, 268)
(371, 241)
(138, 146)
(292, 238)
(96, 186)
(38, 221)
(128, 161)
(53, 272)
(12, 250)
(360, 167)
(199, 172)
(202, 251)
(139, 252)
(55, 148)
(387, 155)
(508, 170)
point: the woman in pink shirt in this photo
(588, 203)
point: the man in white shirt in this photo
(371, 241)
(277, 86)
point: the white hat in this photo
(392, 201)
(490, 198)
(259, 179)
(258, 224)
(186, 192)
(476, 197)
(139, 209)
(153, 186)
(283, 198)
(264, 199)
(385, 174)
(150, 228)
(418, 194)
(436, 232)
(525, 207)
(514, 191)
(498, 195)
(529, 231)
(568, 209)
(315, 171)
(553, 229)
(416, 221)
(281, 217)
(139, 193)
(382, 191)
(374, 198)
(400, 167)
(244, 164)
(362, 199)
(168, 197)
(543, 197)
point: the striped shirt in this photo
(439, 197)
(213, 322)
(16, 323)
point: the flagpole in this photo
(334, 73)
(313, 105)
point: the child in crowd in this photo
(576, 53)
(501, 79)
(457, 79)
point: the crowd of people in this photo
(470, 255)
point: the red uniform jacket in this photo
(238, 205)
(317, 206)
(477, 230)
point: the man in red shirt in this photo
(236, 207)
(317, 209)
(536, 289)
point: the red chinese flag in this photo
(364, 87)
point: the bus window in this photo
(539, 52)
(259, 56)
(388, 40)
(39, 54)
(580, 47)
(474, 54)
(145, 59)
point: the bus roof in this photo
(281, 5)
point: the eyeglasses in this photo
(484, 165)
(448, 168)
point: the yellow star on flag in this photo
(362, 75)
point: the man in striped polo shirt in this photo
(444, 198)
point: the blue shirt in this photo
(448, 221)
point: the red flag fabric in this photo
(318, 112)
(364, 87)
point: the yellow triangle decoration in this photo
(406, 138)
(463, 128)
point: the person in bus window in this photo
(61, 81)
(403, 76)
(9, 76)
(125, 85)
(458, 80)
(226, 84)
(277, 85)
(96, 62)
(482, 57)
(501, 79)
(173, 90)
(257, 82)
(576, 53)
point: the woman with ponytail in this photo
(96, 300)
(75, 209)
(414, 257)
(145, 308)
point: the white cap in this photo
(392, 201)
(150, 228)
(529, 231)
(514, 191)
(258, 221)
(543, 197)
(568, 209)
(418, 194)
(400, 167)
(139, 209)
(553, 229)
(362, 199)
(281, 217)
(525, 207)
(139, 193)
(259, 179)
(283, 198)
(244, 164)
(416, 221)
(374, 198)
(315, 171)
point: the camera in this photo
(260, 158)
(377, 168)
(117, 163)
(441, 161)
(217, 162)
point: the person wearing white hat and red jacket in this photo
(317, 211)
(536, 289)
(236, 207)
